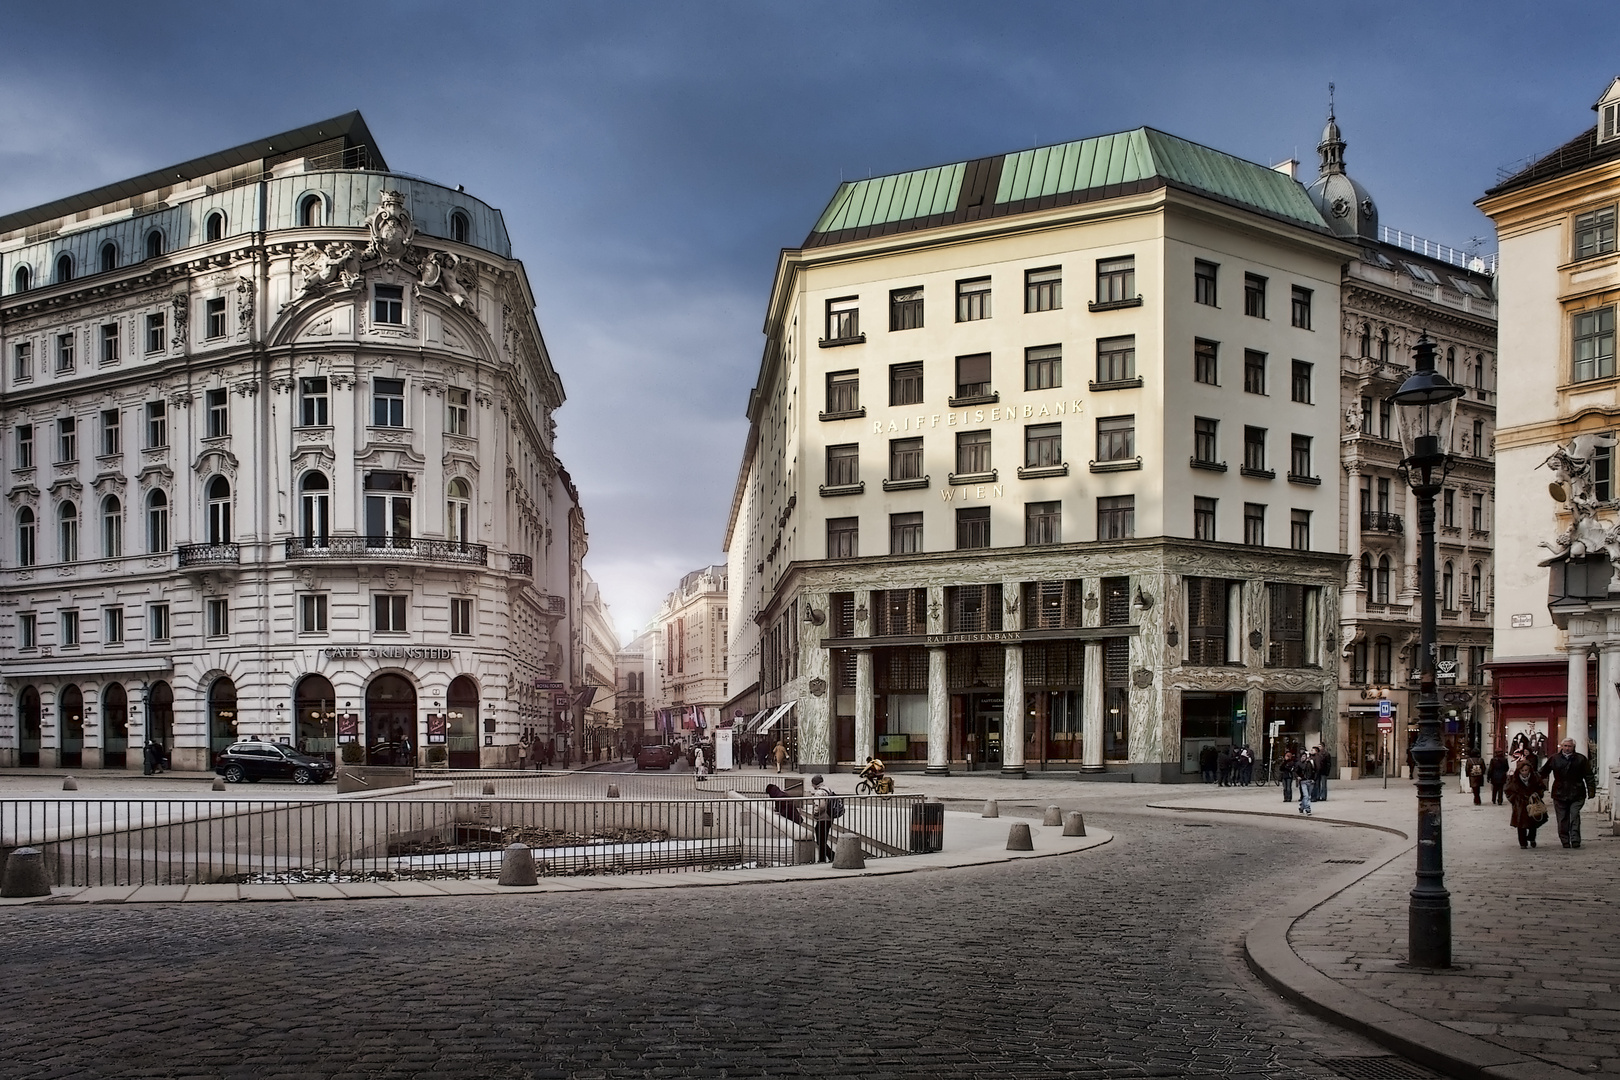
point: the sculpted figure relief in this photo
(444, 271)
(323, 267)
(392, 229)
(1575, 484)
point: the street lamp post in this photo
(1428, 404)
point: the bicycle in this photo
(880, 784)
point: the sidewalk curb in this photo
(1267, 952)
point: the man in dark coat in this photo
(1206, 762)
(1497, 774)
(1572, 785)
(1223, 765)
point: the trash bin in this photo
(927, 827)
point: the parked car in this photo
(255, 761)
(655, 757)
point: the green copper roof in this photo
(893, 198)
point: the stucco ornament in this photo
(322, 268)
(445, 271)
(1575, 485)
(392, 229)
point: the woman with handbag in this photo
(1524, 791)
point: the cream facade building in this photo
(1042, 465)
(692, 659)
(601, 648)
(278, 442)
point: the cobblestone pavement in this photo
(1121, 962)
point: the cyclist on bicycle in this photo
(876, 772)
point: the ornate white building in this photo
(278, 448)
(692, 657)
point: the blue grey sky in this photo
(651, 158)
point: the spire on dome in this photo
(1331, 149)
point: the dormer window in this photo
(1609, 122)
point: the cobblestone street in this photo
(1120, 962)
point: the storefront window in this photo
(316, 708)
(71, 707)
(221, 714)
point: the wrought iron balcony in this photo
(388, 547)
(521, 564)
(209, 554)
(1374, 521)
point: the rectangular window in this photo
(388, 403)
(1203, 518)
(112, 626)
(214, 311)
(1206, 440)
(157, 424)
(27, 630)
(461, 616)
(23, 357)
(1448, 508)
(1213, 609)
(905, 459)
(64, 352)
(1116, 359)
(1254, 448)
(1254, 371)
(1116, 517)
(25, 446)
(1299, 530)
(1043, 446)
(905, 384)
(1206, 362)
(1254, 524)
(388, 613)
(1594, 344)
(1299, 456)
(67, 439)
(69, 622)
(312, 402)
(1476, 665)
(154, 332)
(844, 319)
(905, 533)
(1386, 419)
(157, 622)
(843, 465)
(217, 616)
(972, 608)
(906, 309)
(458, 411)
(1043, 523)
(1301, 307)
(219, 414)
(1116, 279)
(1478, 511)
(1293, 614)
(1594, 233)
(312, 613)
(109, 343)
(1254, 295)
(1301, 382)
(973, 528)
(1116, 438)
(843, 392)
(1043, 367)
(973, 376)
(843, 537)
(973, 300)
(972, 452)
(1383, 494)
(388, 304)
(1043, 289)
(1366, 415)
(1204, 282)
(112, 436)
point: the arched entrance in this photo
(160, 715)
(390, 721)
(70, 707)
(315, 707)
(28, 728)
(221, 714)
(461, 727)
(114, 727)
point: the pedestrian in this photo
(1572, 785)
(780, 753)
(762, 753)
(1246, 770)
(1305, 776)
(1524, 789)
(1324, 765)
(1289, 761)
(821, 814)
(149, 757)
(1223, 766)
(1476, 776)
(1497, 773)
(1206, 762)
(784, 803)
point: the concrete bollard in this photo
(25, 874)
(517, 866)
(613, 791)
(1074, 824)
(219, 783)
(1054, 816)
(1018, 838)
(848, 854)
(69, 784)
(992, 808)
(489, 787)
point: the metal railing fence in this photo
(524, 784)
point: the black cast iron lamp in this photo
(1428, 406)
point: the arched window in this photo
(458, 511)
(1366, 572)
(157, 523)
(70, 706)
(1383, 661)
(112, 527)
(27, 553)
(1476, 581)
(214, 226)
(64, 268)
(316, 517)
(219, 510)
(67, 517)
(1448, 586)
(310, 212)
(459, 227)
(154, 243)
(221, 713)
(114, 726)
(1366, 339)
(28, 721)
(109, 256)
(160, 713)
(315, 714)
(1381, 585)
(1451, 363)
(1383, 344)
(461, 723)
(21, 279)
(1479, 372)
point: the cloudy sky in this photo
(651, 158)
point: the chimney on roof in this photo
(1289, 168)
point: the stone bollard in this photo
(1074, 824)
(69, 784)
(848, 854)
(1054, 816)
(613, 791)
(489, 787)
(25, 874)
(992, 808)
(1018, 838)
(517, 866)
(219, 783)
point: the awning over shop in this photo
(775, 717)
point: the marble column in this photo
(864, 722)
(1091, 731)
(1575, 707)
(939, 715)
(1013, 719)
(1606, 755)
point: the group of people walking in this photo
(1309, 771)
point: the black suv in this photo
(257, 761)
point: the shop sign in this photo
(348, 727)
(389, 652)
(548, 684)
(1446, 670)
(436, 732)
(970, 639)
